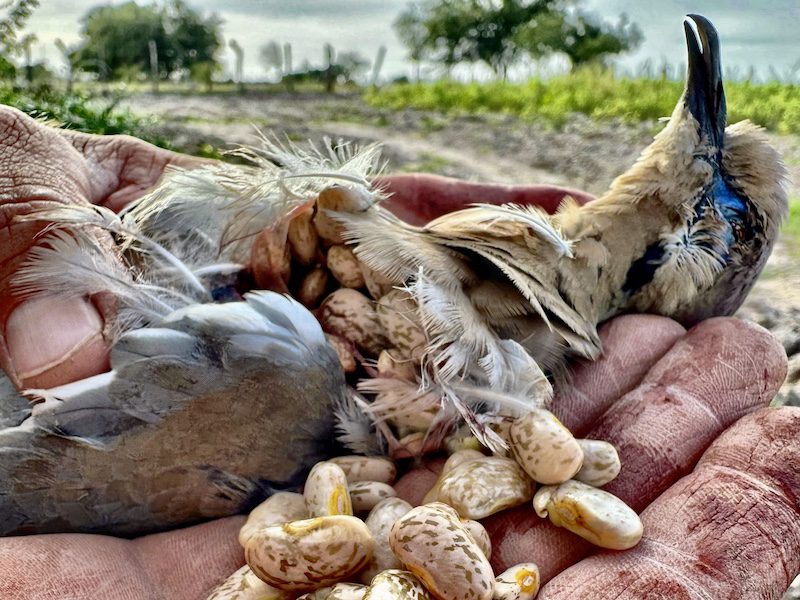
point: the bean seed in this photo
(396, 585)
(244, 585)
(312, 287)
(270, 260)
(520, 582)
(544, 447)
(338, 199)
(309, 554)
(344, 266)
(351, 315)
(344, 350)
(302, 238)
(366, 468)
(398, 315)
(451, 463)
(484, 486)
(433, 544)
(600, 463)
(480, 535)
(366, 494)
(380, 521)
(279, 508)
(326, 491)
(392, 364)
(594, 514)
(377, 284)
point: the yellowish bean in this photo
(309, 554)
(326, 491)
(520, 582)
(594, 514)
(279, 508)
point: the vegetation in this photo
(499, 33)
(594, 92)
(117, 41)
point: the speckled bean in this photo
(594, 514)
(344, 266)
(483, 486)
(279, 508)
(380, 521)
(344, 350)
(366, 468)
(396, 585)
(338, 199)
(393, 364)
(398, 315)
(302, 238)
(366, 494)
(600, 463)
(520, 582)
(347, 591)
(377, 284)
(480, 535)
(351, 315)
(244, 585)
(326, 492)
(544, 447)
(312, 287)
(309, 554)
(433, 544)
(451, 463)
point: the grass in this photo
(596, 93)
(82, 112)
(791, 228)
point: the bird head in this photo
(720, 192)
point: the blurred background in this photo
(512, 91)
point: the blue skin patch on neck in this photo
(719, 197)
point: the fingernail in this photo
(52, 341)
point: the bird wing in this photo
(202, 416)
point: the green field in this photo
(596, 93)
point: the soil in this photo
(582, 153)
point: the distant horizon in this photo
(759, 35)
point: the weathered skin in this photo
(748, 555)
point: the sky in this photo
(757, 33)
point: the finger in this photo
(721, 370)
(39, 169)
(731, 529)
(124, 168)
(189, 563)
(631, 344)
(418, 198)
(181, 565)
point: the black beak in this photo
(704, 95)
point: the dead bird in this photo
(505, 294)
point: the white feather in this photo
(357, 430)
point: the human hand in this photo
(46, 341)
(188, 562)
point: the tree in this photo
(498, 32)
(116, 38)
(18, 14)
(271, 56)
(584, 38)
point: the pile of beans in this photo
(348, 536)
(315, 545)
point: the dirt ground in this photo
(499, 148)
